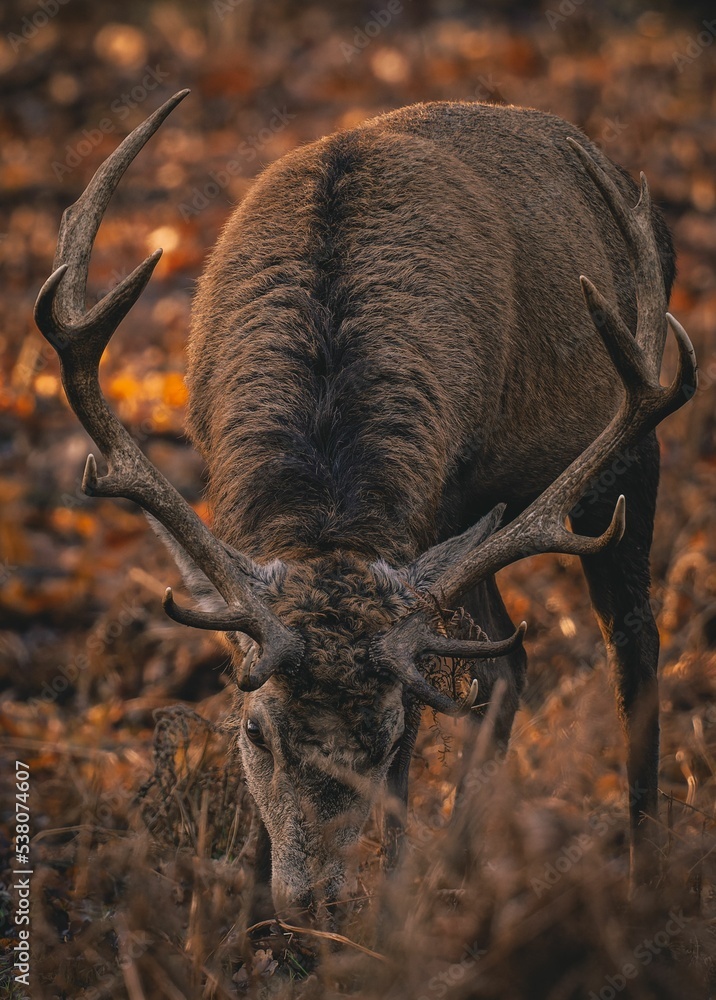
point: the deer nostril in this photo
(305, 902)
(292, 901)
(297, 909)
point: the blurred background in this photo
(86, 655)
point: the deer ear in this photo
(197, 583)
(428, 567)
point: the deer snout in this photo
(305, 903)
(294, 907)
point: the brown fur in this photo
(381, 339)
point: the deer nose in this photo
(294, 907)
(304, 904)
(291, 893)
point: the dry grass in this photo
(523, 893)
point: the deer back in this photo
(390, 334)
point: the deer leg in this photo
(397, 806)
(619, 581)
(485, 605)
(487, 608)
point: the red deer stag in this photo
(398, 391)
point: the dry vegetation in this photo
(142, 844)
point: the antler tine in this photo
(81, 221)
(421, 690)
(80, 338)
(278, 654)
(638, 232)
(420, 640)
(540, 528)
(231, 620)
(471, 697)
(397, 648)
(253, 674)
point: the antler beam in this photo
(80, 339)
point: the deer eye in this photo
(254, 733)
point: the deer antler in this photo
(397, 649)
(540, 527)
(80, 338)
